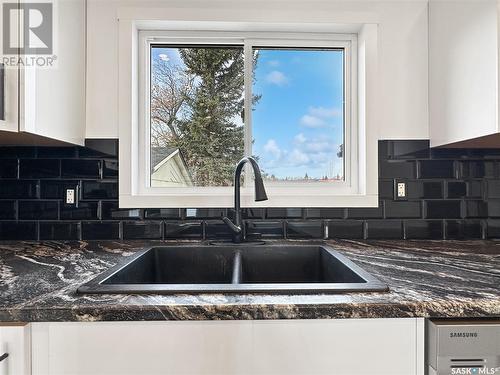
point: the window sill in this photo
(221, 201)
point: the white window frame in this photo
(248, 41)
(360, 188)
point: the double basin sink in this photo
(236, 269)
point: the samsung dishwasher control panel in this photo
(463, 347)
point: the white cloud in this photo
(164, 57)
(310, 121)
(298, 158)
(273, 63)
(317, 146)
(317, 117)
(325, 112)
(300, 138)
(272, 147)
(277, 78)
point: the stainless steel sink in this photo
(237, 269)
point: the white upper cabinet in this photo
(463, 73)
(45, 96)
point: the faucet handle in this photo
(236, 229)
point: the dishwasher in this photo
(463, 347)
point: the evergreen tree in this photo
(211, 138)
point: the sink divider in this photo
(237, 270)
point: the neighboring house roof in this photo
(158, 154)
(168, 167)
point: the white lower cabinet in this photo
(305, 347)
(15, 348)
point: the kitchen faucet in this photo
(260, 195)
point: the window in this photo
(206, 99)
(197, 120)
(298, 115)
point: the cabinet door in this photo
(15, 350)
(463, 70)
(52, 99)
(306, 347)
(9, 75)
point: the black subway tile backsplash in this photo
(424, 229)
(345, 229)
(216, 229)
(50, 189)
(478, 169)
(264, 229)
(493, 228)
(56, 152)
(24, 152)
(88, 169)
(397, 169)
(7, 210)
(425, 190)
(84, 211)
(436, 169)
(463, 229)
(403, 209)
(384, 229)
(284, 213)
(183, 230)
(304, 229)
(386, 189)
(162, 213)
(61, 230)
(456, 189)
(325, 213)
(22, 230)
(475, 189)
(149, 230)
(254, 213)
(18, 189)
(451, 193)
(205, 213)
(110, 169)
(8, 168)
(361, 213)
(493, 188)
(443, 209)
(493, 208)
(38, 210)
(100, 230)
(99, 190)
(404, 149)
(475, 209)
(110, 211)
(39, 168)
(99, 148)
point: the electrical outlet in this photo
(70, 196)
(401, 190)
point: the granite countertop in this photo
(426, 278)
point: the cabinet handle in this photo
(3, 356)
(2, 92)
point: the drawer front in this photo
(15, 350)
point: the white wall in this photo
(403, 47)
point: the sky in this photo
(297, 124)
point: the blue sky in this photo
(298, 123)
